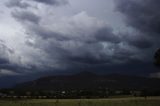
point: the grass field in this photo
(152, 101)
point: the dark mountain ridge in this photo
(89, 81)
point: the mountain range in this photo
(88, 81)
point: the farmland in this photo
(138, 101)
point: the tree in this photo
(157, 58)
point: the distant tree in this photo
(157, 58)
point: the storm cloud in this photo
(52, 2)
(142, 15)
(144, 18)
(7, 62)
(17, 3)
(25, 16)
(26, 4)
(52, 36)
(83, 46)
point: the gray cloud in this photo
(5, 61)
(26, 16)
(46, 33)
(106, 34)
(141, 43)
(80, 40)
(4, 52)
(139, 40)
(71, 40)
(25, 4)
(17, 3)
(52, 2)
(144, 18)
(142, 15)
(85, 46)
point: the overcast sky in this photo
(47, 36)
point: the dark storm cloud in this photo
(90, 54)
(5, 63)
(84, 45)
(81, 47)
(4, 52)
(17, 3)
(66, 48)
(141, 43)
(96, 54)
(12, 67)
(46, 33)
(84, 41)
(24, 4)
(143, 15)
(106, 34)
(52, 2)
(26, 16)
(138, 40)
(8, 66)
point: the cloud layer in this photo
(144, 18)
(54, 35)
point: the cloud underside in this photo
(82, 40)
(22, 4)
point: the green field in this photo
(152, 101)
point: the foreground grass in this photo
(152, 101)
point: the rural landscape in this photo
(79, 53)
(84, 89)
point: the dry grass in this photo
(152, 101)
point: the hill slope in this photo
(88, 81)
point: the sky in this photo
(44, 37)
